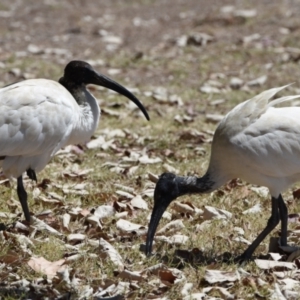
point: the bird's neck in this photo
(195, 185)
(89, 111)
(76, 90)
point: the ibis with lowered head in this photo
(257, 142)
(40, 116)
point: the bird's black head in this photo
(166, 190)
(79, 72)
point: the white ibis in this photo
(255, 141)
(40, 116)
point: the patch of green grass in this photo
(50, 247)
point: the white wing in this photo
(271, 145)
(36, 119)
(259, 143)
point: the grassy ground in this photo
(38, 39)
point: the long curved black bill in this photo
(157, 213)
(114, 86)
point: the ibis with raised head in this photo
(257, 142)
(40, 116)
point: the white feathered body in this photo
(258, 143)
(37, 118)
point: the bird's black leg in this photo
(31, 174)
(272, 223)
(283, 213)
(23, 198)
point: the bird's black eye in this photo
(166, 188)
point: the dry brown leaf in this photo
(186, 208)
(11, 257)
(172, 226)
(124, 194)
(7, 215)
(289, 283)
(223, 291)
(171, 276)
(193, 134)
(104, 211)
(152, 177)
(94, 221)
(115, 133)
(197, 296)
(116, 289)
(236, 83)
(131, 275)
(131, 171)
(139, 202)
(49, 201)
(75, 192)
(128, 227)
(239, 230)
(179, 239)
(41, 265)
(167, 277)
(215, 213)
(110, 112)
(145, 159)
(121, 215)
(208, 89)
(75, 211)
(186, 289)
(5, 182)
(76, 257)
(75, 172)
(183, 208)
(170, 169)
(76, 237)
(260, 191)
(215, 276)
(125, 188)
(108, 251)
(275, 256)
(241, 239)
(148, 192)
(253, 210)
(249, 280)
(278, 265)
(214, 118)
(155, 269)
(276, 294)
(203, 226)
(42, 226)
(294, 218)
(258, 81)
(291, 295)
(66, 220)
(120, 207)
(84, 212)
